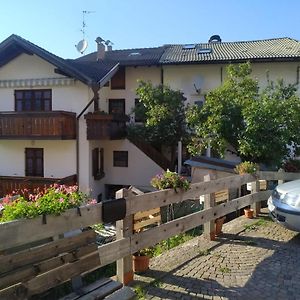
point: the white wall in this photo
(59, 157)
(69, 98)
(139, 172)
(132, 75)
(208, 77)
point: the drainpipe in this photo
(161, 75)
(95, 88)
(221, 75)
(297, 75)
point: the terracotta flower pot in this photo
(249, 212)
(219, 224)
(140, 263)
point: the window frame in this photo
(110, 104)
(32, 100)
(118, 160)
(35, 171)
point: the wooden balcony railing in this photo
(105, 127)
(15, 183)
(59, 125)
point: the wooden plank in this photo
(107, 253)
(59, 275)
(278, 175)
(124, 229)
(26, 273)
(102, 291)
(16, 292)
(113, 251)
(144, 223)
(19, 232)
(87, 289)
(209, 201)
(161, 198)
(153, 236)
(145, 214)
(255, 188)
(32, 255)
(222, 195)
(125, 293)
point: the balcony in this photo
(52, 125)
(15, 183)
(105, 127)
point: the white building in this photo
(48, 126)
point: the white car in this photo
(284, 205)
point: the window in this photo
(118, 80)
(139, 111)
(34, 162)
(33, 100)
(120, 158)
(116, 106)
(98, 163)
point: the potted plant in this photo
(170, 180)
(249, 212)
(246, 167)
(140, 260)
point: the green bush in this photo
(53, 200)
(246, 167)
(170, 180)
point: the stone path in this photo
(261, 262)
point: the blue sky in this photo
(55, 25)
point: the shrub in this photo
(53, 200)
(246, 167)
(170, 180)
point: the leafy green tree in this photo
(164, 117)
(261, 125)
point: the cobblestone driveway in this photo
(262, 262)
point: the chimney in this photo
(109, 48)
(100, 48)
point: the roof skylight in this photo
(204, 51)
(188, 46)
(134, 54)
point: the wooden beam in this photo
(124, 230)
(32, 255)
(153, 236)
(20, 232)
(209, 201)
(162, 198)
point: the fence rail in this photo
(20, 232)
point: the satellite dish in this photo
(81, 46)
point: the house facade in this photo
(65, 120)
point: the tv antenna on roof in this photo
(83, 44)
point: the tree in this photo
(164, 117)
(261, 125)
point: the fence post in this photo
(209, 201)
(255, 188)
(124, 228)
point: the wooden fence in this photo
(17, 233)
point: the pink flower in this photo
(61, 200)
